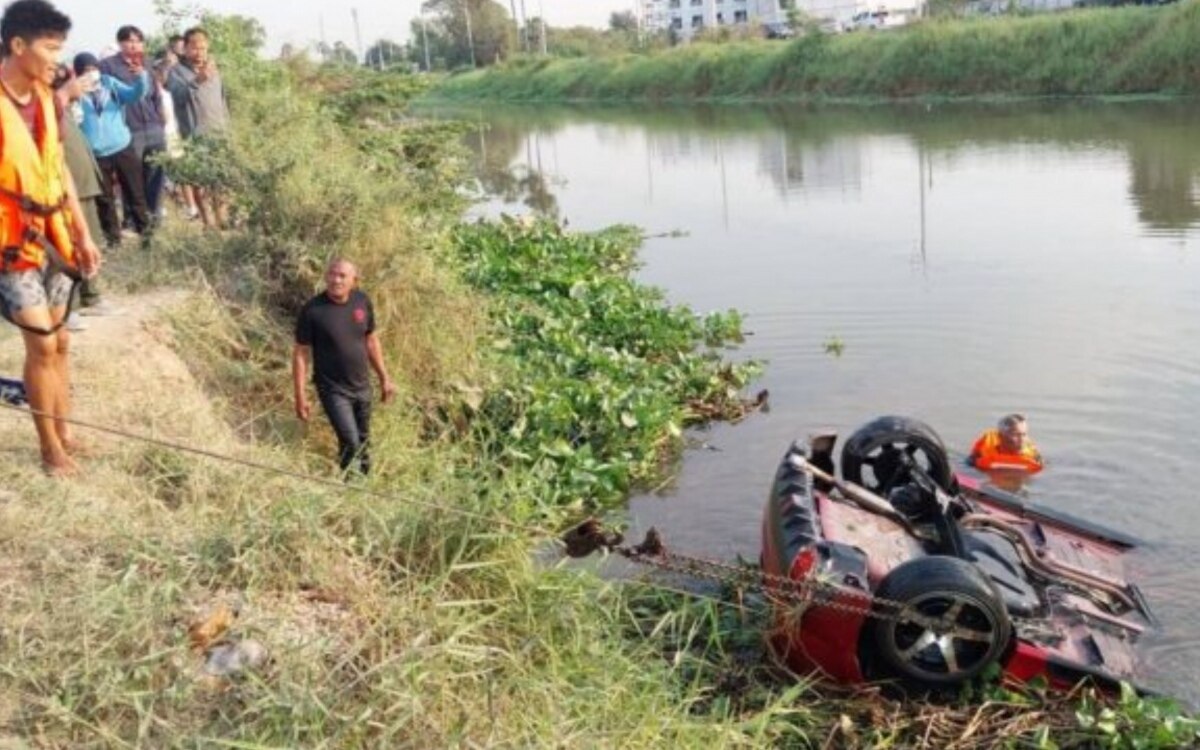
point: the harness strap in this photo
(30, 206)
(57, 263)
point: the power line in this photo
(343, 487)
(267, 468)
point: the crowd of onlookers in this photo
(135, 113)
(127, 117)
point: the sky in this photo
(299, 22)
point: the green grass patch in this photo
(1105, 51)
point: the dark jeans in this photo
(154, 176)
(128, 170)
(350, 417)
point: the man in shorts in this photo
(45, 244)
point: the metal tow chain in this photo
(590, 537)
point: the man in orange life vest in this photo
(1008, 446)
(45, 246)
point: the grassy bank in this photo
(1131, 50)
(539, 384)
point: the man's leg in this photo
(106, 202)
(43, 387)
(58, 293)
(129, 172)
(340, 411)
(206, 214)
(25, 299)
(362, 420)
(154, 176)
(89, 289)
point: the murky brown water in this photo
(972, 260)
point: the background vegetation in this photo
(1131, 50)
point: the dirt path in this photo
(125, 374)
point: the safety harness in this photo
(35, 230)
(55, 262)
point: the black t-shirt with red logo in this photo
(337, 334)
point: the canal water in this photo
(966, 262)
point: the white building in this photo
(686, 17)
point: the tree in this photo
(243, 30)
(338, 54)
(623, 21)
(459, 28)
(384, 54)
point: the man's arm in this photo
(180, 86)
(375, 354)
(127, 93)
(87, 255)
(300, 356)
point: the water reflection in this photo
(509, 167)
(802, 149)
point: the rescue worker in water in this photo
(1007, 446)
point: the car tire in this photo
(870, 457)
(973, 630)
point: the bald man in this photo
(336, 331)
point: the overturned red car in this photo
(924, 577)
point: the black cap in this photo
(85, 60)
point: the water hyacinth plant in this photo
(600, 376)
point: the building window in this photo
(697, 3)
(697, 22)
(674, 4)
(677, 23)
(720, 18)
(740, 16)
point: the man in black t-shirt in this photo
(336, 330)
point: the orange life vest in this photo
(989, 453)
(33, 191)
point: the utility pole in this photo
(524, 26)
(357, 34)
(324, 44)
(517, 22)
(425, 39)
(542, 14)
(470, 36)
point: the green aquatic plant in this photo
(600, 375)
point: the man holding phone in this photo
(145, 119)
(103, 105)
(201, 110)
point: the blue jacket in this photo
(103, 113)
(144, 118)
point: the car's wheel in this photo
(879, 454)
(951, 624)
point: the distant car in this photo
(778, 30)
(882, 18)
(868, 20)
